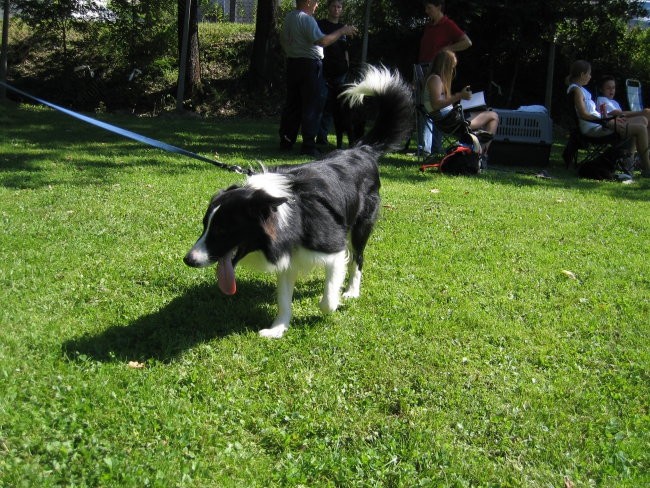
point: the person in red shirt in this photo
(440, 33)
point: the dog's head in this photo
(238, 221)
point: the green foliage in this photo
(227, 49)
(637, 43)
(212, 11)
(471, 358)
(140, 32)
(55, 22)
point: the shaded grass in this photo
(471, 358)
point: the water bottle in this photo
(603, 110)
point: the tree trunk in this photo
(233, 10)
(5, 48)
(260, 72)
(366, 27)
(193, 65)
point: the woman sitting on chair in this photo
(439, 101)
(591, 123)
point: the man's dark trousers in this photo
(304, 104)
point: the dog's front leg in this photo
(286, 283)
(334, 278)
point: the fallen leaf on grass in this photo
(135, 365)
(389, 207)
(568, 483)
(569, 274)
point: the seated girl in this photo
(439, 100)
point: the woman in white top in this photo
(438, 98)
(590, 120)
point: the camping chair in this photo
(423, 122)
(459, 131)
(634, 98)
(590, 146)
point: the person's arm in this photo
(346, 30)
(434, 84)
(612, 107)
(461, 45)
(581, 108)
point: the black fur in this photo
(350, 121)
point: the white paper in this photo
(477, 100)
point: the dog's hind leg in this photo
(286, 283)
(358, 240)
(334, 278)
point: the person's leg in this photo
(326, 116)
(333, 88)
(636, 129)
(488, 121)
(291, 113)
(312, 104)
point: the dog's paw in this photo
(329, 305)
(350, 293)
(274, 332)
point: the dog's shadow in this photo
(199, 315)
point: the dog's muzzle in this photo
(197, 258)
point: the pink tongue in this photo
(226, 276)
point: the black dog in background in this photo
(347, 120)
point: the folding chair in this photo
(590, 146)
(424, 126)
(634, 98)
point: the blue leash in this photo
(131, 135)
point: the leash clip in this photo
(238, 169)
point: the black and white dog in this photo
(290, 218)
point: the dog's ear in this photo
(262, 204)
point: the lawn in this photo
(501, 339)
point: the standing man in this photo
(335, 65)
(440, 33)
(303, 44)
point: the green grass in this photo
(471, 358)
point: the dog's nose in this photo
(189, 260)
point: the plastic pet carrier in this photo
(523, 138)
